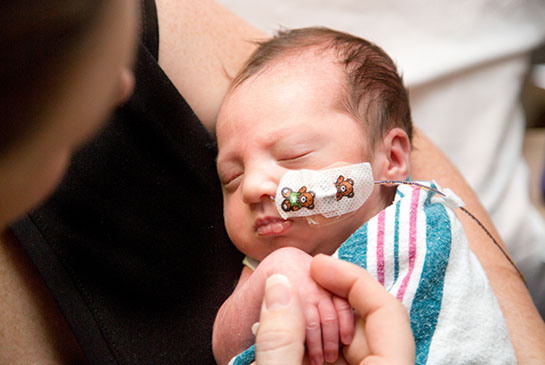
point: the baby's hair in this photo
(374, 92)
(40, 39)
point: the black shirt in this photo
(132, 245)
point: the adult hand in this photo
(383, 334)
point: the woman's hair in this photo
(373, 92)
(39, 39)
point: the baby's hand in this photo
(327, 316)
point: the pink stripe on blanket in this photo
(412, 243)
(380, 247)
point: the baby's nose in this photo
(256, 186)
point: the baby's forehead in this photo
(293, 63)
(288, 82)
(306, 66)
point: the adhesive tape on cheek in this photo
(331, 192)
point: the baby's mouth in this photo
(271, 226)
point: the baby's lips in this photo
(268, 226)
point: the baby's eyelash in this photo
(230, 180)
(227, 172)
(295, 157)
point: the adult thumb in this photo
(281, 332)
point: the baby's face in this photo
(284, 119)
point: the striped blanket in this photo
(417, 250)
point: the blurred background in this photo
(533, 99)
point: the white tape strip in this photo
(330, 192)
(450, 199)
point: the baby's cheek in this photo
(231, 209)
(233, 224)
(237, 226)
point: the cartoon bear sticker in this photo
(344, 188)
(295, 200)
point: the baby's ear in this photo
(393, 155)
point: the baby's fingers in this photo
(314, 335)
(386, 320)
(346, 319)
(330, 329)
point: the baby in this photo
(318, 99)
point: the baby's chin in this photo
(276, 243)
(313, 245)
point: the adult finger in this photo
(281, 333)
(358, 348)
(387, 324)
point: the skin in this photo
(384, 333)
(281, 312)
(31, 327)
(231, 329)
(262, 134)
(257, 145)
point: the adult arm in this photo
(32, 328)
(525, 326)
(202, 45)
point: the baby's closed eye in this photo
(229, 175)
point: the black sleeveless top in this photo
(132, 245)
